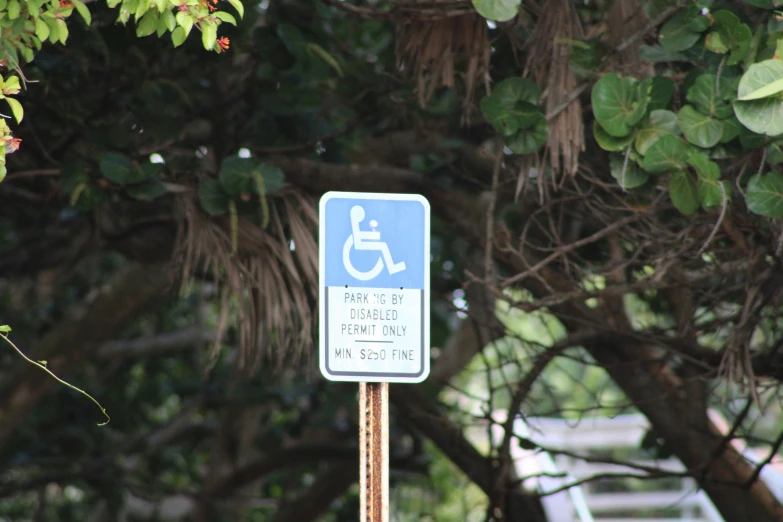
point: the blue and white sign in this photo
(374, 258)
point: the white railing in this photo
(676, 499)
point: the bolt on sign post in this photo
(374, 286)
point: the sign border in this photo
(323, 343)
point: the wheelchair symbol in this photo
(362, 240)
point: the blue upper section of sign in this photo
(391, 245)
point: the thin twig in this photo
(715, 229)
(42, 365)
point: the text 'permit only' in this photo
(374, 258)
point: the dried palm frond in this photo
(549, 62)
(434, 50)
(271, 279)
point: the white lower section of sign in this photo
(374, 332)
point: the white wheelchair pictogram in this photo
(367, 240)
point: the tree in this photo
(613, 169)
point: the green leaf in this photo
(274, 178)
(54, 30)
(41, 29)
(147, 191)
(764, 116)
(208, 35)
(16, 109)
(185, 21)
(764, 195)
(512, 90)
(660, 93)
(116, 167)
(529, 141)
(610, 143)
(618, 104)
(236, 175)
(237, 4)
(325, 56)
(62, 30)
(148, 24)
(293, 40)
(497, 10)
(660, 122)
(169, 20)
(733, 33)
(774, 154)
(5, 329)
(225, 17)
(212, 198)
(3, 171)
(178, 36)
(699, 128)
(711, 95)
(761, 80)
(676, 34)
(683, 192)
(633, 177)
(711, 193)
(13, 9)
(714, 42)
(656, 54)
(705, 168)
(83, 11)
(667, 153)
(508, 120)
(731, 129)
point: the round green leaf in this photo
(212, 198)
(509, 119)
(497, 10)
(529, 141)
(660, 122)
(677, 35)
(116, 167)
(512, 90)
(667, 153)
(610, 143)
(761, 80)
(699, 128)
(618, 104)
(236, 175)
(764, 116)
(764, 195)
(710, 96)
(683, 192)
(734, 34)
(633, 176)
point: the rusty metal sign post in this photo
(374, 451)
(374, 304)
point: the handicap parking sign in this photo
(374, 252)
